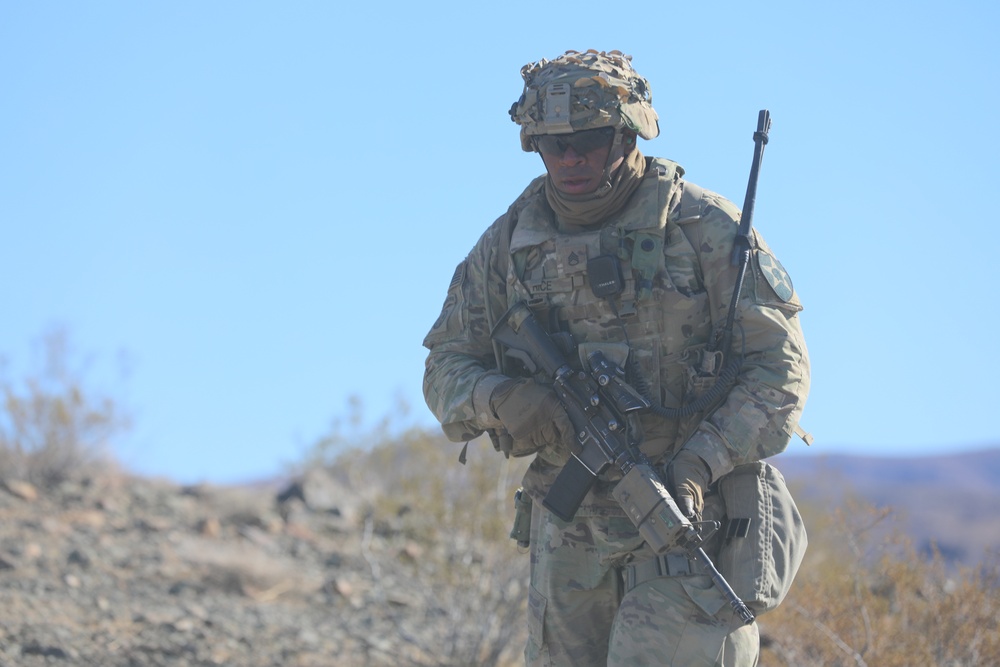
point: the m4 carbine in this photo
(599, 404)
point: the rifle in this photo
(600, 404)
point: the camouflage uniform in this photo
(674, 242)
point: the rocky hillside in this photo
(378, 565)
(120, 571)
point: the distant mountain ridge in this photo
(951, 501)
(976, 468)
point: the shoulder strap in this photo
(502, 248)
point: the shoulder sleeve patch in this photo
(451, 320)
(775, 275)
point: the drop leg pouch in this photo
(763, 538)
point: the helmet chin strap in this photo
(606, 185)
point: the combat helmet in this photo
(583, 91)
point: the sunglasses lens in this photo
(548, 144)
(582, 142)
(592, 140)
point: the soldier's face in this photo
(575, 162)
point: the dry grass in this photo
(865, 596)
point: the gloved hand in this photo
(534, 417)
(689, 476)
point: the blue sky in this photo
(245, 214)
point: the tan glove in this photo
(534, 417)
(689, 476)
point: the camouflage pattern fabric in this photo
(674, 240)
(580, 615)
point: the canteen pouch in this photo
(763, 538)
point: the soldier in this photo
(621, 252)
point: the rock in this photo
(80, 558)
(21, 489)
(411, 551)
(45, 651)
(6, 562)
(319, 492)
(209, 527)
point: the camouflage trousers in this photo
(580, 614)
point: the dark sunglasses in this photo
(582, 142)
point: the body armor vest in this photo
(658, 324)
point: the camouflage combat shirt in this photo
(674, 241)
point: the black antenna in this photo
(741, 245)
(741, 249)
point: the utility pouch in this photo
(763, 538)
(521, 532)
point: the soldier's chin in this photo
(577, 186)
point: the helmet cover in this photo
(583, 91)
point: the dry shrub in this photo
(444, 528)
(866, 597)
(51, 425)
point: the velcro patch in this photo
(775, 275)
